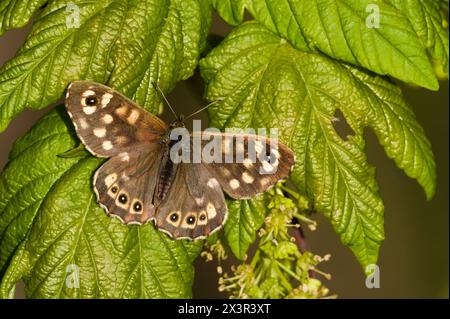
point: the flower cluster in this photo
(278, 268)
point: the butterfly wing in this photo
(111, 125)
(194, 206)
(256, 164)
(107, 122)
(125, 184)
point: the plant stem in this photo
(303, 246)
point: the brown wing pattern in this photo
(250, 164)
(195, 205)
(107, 122)
(125, 184)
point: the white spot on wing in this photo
(107, 145)
(107, 119)
(110, 179)
(100, 132)
(174, 223)
(89, 109)
(84, 125)
(240, 147)
(267, 167)
(88, 93)
(211, 210)
(133, 117)
(259, 147)
(247, 178)
(213, 183)
(248, 163)
(121, 111)
(265, 181)
(111, 193)
(234, 184)
(105, 99)
(124, 157)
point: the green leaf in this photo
(276, 15)
(127, 44)
(338, 28)
(17, 13)
(396, 127)
(245, 218)
(263, 81)
(50, 221)
(31, 172)
(232, 11)
(430, 24)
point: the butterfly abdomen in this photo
(166, 175)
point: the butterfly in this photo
(140, 182)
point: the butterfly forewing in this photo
(107, 122)
(250, 164)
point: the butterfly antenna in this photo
(202, 109)
(156, 86)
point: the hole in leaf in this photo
(341, 126)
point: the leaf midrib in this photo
(336, 161)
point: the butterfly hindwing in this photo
(195, 205)
(125, 184)
(107, 122)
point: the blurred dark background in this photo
(414, 257)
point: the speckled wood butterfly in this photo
(140, 182)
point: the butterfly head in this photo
(179, 122)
